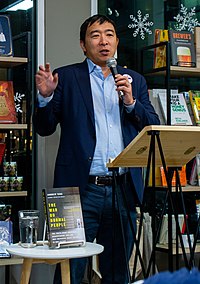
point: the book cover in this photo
(197, 157)
(193, 174)
(163, 237)
(153, 96)
(6, 237)
(182, 176)
(7, 103)
(4, 183)
(6, 45)
(182, 48)
(10, 169)
(6, 232)
(189, 106)
(179, 110)
(2, 151)
(160, 52)
(197, 45)
(63, 211)
(194, 96)
(16, 183)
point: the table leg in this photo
(26, 270)
(65, 271)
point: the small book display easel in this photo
(64, 220)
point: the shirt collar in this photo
(92, 66)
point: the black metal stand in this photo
(115, 200)
(172, 210)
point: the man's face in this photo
(100, 42)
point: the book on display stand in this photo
(64, 219)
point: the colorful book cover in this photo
(194, 96)
(16, 183)
(179, 110)
(4, 183)
(6, 232)
(63, 211)
(182, 48)
(182, 176)
(10, 169)
(2, 151)
(160, 52)
(6, 237)
(189, 106)
(7, 103)
(6, 45)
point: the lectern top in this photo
(179, 145)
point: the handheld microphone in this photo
(112, 64)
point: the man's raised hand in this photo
(46, 82)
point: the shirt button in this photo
(90, 159)
(110, 125)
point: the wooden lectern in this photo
(167, 146)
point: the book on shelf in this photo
(6, 237)
(193, 173)
(182, 177)
(179, 110)
(64, 219)
(6, 45)
(153, 96)
(197, 45)
(163, 237)
(2, 151)
(7, 103)
(189, 106)
(197, 157)
(182, 48)
(160, 51)
(194, 96)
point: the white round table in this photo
(52, 256)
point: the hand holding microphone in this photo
(124, 87)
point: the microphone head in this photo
(111, 62)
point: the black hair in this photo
(91, 20)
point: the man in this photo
(96, 124)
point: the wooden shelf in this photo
(13, 193)
(188, 188)
(13, 126)
(162, 247)
(176, 71)
(9, 61)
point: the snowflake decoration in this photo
(18, 98)
(141, 25)
(185, 20)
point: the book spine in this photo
(193, 175)
(44, 197)
(189, 106)
(198, 168)
(194, 107)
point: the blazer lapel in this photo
(83, 80)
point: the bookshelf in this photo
(10, 61)
(172, 72)
(164, 248)
(176, 71)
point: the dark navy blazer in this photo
(72, 107)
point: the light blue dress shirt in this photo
(109, 141)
